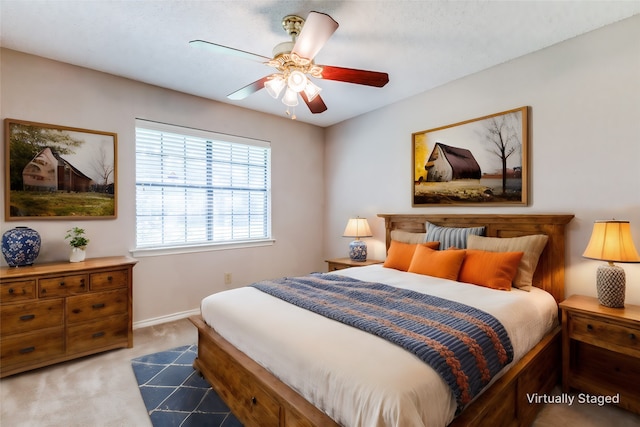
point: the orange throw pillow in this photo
(444, 264)
(494, 270)
(400, 254)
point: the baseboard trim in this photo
(164, 319)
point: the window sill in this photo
(176, 250)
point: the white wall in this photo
(584, 96)
(40, 90)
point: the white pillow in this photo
(408, 237)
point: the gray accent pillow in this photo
(451, 236)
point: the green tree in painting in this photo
(26, 141)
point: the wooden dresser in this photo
(601, 350)
(59, 311)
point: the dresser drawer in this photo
(17, 291)
(97, 334)
(31, 316)
(63, 285)
(81, 308)
(612, 335)
(31, 347)
(109, 280)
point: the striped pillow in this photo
(451, 236)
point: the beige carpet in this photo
(101, 390)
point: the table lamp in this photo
(357, 227)
(611, 241)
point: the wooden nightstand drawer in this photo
(109, 280)
(600, 349)
(81, 308)
(63, 285)
(613, 336)
(342, 263)
(31, 316)
(28, 348)
(17, 291)
(105, 332)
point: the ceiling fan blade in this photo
(218, 48)
(316, 106)
(351, 75)
(317, 29)
(248, 89)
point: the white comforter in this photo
(359, 379)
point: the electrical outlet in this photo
(227, 278)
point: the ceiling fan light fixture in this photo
(275, 85)
(297, 81)
(290, 98)
(311, 90)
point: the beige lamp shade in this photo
(611, 241)
(357, 227)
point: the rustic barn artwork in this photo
(476, 162)
(448, 163)
(56, 172)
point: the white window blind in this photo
(195, 187)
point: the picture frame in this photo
(477, 162)
(59, 172)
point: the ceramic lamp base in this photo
(610, 282)
(358, 250)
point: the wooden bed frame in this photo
(258, 398)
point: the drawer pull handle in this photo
(43, 291)
(589, 328)
(254, 400)
(98, 335)
(632, 336)
(61, 284)
(82, 283)
(97, 306)
(11, 291)
(26, 317)
(109, 278)
(27, 350)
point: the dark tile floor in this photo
(175, 394)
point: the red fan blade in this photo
(248, 89)
(218, 48)
(316, 106)
(317, 29)
(350, 75)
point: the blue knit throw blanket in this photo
(466, 346)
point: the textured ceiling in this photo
(421, 44)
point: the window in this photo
(197, 188)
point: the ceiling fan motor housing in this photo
(292, 24)
(282, 48)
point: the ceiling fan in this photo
(294, 62)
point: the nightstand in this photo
(340, 263)
(601, 351)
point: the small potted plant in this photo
(78, 244)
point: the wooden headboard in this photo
(549, 274)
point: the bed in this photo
(259, 397)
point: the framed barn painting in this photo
(57, 172)
(479, 162)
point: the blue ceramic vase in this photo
(20, 246)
